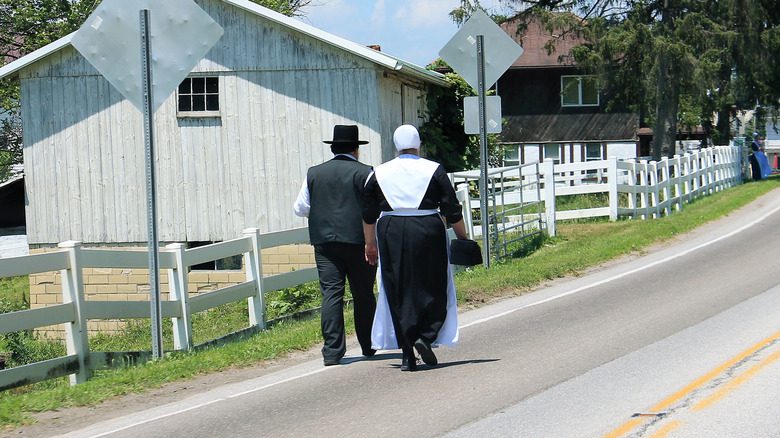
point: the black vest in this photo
(335, 192)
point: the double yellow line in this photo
(670, 401)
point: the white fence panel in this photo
(71, 259)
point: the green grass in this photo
(577, 247)
(15, 292)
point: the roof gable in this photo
(533, 41)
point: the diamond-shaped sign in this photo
(181, 34)
(460, 52)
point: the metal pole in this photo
(483, 155)
(151, 207)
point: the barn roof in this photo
(380, 58)
(570, 128)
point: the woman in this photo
(406, 203)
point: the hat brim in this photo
(345, 143)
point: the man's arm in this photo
(302, 204)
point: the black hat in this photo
(345, 135)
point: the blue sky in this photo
(413, 30)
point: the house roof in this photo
(375, 56)
(570, 128)
(533, 41)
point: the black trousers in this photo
(337, 262)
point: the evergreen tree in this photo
(675, 62)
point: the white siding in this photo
(280, 95)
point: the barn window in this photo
(579, 91)
(199, 94)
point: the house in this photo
(233, 142)
(552, 110)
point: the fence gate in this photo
(516, 211)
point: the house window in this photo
(593, 152)
(553, 151)
(511, 155)
(199, 94)
(579, 91)
(226, 264)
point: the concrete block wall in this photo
(111, 284)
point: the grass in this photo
(577, 247)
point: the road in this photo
(683, 341)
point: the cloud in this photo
(421, 14)
(379, 14)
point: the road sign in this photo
(460, 52)
(481, 52)
(145, 48)
(181, 34)
(492, 114)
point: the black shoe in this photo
(408, 363)
(426, 352)
(368, 353)
(329, 362)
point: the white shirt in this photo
(303, 202)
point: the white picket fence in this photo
(75, 311)
(637, 189)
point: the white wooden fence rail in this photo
(75, 311)
(636, 189)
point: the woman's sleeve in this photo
(371, 200)
(449, 206)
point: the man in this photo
(331, 198)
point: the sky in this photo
(412, 30)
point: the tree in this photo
(675, 61)
(26, 25)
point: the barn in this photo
(233, 142)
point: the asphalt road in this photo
(681, 342)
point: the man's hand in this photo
(371, 253)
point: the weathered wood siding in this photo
(281, 92)
(401, 102)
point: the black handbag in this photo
(465, 252)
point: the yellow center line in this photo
(737, 381)
(696, 384)
(667, 429)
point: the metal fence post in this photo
(177, 282)
(76, 340)
(253, 263)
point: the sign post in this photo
(483, 150)
(151, 201)
(182, 34)
(489, 61)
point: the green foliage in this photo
(443, 135)
(293, 299)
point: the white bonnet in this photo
(406, 137)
